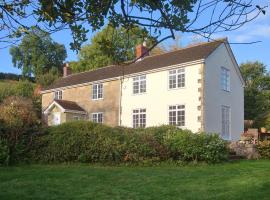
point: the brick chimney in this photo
(66, 70)
(141, 50)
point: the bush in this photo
(82, 141)
(187, 146)
(18, 122)
(264, 149)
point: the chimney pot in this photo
(66, 70)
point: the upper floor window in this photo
(177, 78)
(177, 115)
(139, 84)
(139, 118)
(58, 94)
(97, 91)
(97, 117)
(225, 79)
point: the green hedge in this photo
(89, 142)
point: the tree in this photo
(80, 16)
(257, 89)
(48, 78)
(110, 46)
(37, 54)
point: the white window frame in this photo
(139, 85)
(139, 118)
(97, 91)
(98, 117)
(58, 95)
(226, 122)
(176, 78)
(225, 79)
(180, 115)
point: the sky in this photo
(256, 30)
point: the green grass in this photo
(239, 180)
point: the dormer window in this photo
(58, 94)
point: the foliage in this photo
(83, 141)
(18, 118)
(264, 149)
(48, 78)
(22, 88)
(257, 90)
(186, 146)
(80, 17)
(4, 154)
(263, 121)
(110, 46)
(37, 54)
(10, 76)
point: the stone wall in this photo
(248, 151)
(82, 95)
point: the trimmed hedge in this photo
(89, 142)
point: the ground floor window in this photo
(177, 115)
(139, 118)
(225, 121)
(76, 118)
(97, 117)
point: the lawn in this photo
(239, 180)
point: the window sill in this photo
(137, 94)
(97, 99)
(178, 88)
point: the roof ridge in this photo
(89, 71)
(187, 54)
(150, 56)
(187, 47)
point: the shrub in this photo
(82, 141)
(18, 120)
(187, 146)
(264, 149)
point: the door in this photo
(56, 118)
(225, 117)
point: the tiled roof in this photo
(192, 53)
(69, 105)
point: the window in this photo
(225, 120)
(225, 79)
(177, 115)
(97, 117)
(58, 94)
(97, 91)
(76, 118)
(177, 78)
(139, 118)
(139, 84)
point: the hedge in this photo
(89, 142)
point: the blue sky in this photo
(257, 30)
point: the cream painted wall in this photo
(215, 97)
(158, 97)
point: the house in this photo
(199, 88)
